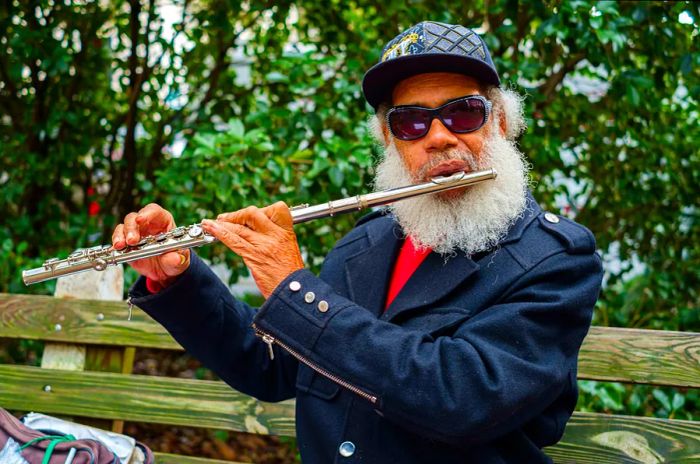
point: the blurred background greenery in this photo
(208, 106)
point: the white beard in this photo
(472, 222)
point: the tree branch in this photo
(522, 23)
(549, 86)
(221, 62)
(12, 102)
(126, 175)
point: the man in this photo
(445, 329)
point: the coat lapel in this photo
(368, 272)
(433, 279)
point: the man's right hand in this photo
(164, 269)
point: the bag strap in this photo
(55, 440)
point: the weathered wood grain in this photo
(610, 354)
(589, 438)
(656, 357)
(63, 356)
(165, 458)
(87, 322)
(602, 439)
(141, 398)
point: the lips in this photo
(447, 168)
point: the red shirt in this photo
(406, 264)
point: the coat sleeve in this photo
(201, 314)
(498, 370)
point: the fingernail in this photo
(131, 237)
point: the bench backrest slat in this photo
(609, 354)
(142, 398)
(89, 322)
(656, 357)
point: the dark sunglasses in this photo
(462, 115)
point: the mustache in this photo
(447, 155)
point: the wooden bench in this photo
(609, 354)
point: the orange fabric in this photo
(406, 264)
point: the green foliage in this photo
(96, 98)
(20, 351)
(638, 400)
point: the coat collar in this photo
(368, 272)
(532, 210)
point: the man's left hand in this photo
(264, 238)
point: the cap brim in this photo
(380, 80)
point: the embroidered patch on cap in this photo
(433, 37)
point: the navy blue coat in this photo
(473, 362)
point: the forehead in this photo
(434, 89)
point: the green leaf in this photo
(633, 96)
(686, 64)
(678, 401)
(662, 398)
(336, 176)
(276, 77)
(235, 128)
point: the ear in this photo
(386, 134)
(502, 123)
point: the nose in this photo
(439, 137)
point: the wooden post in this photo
(104, 285)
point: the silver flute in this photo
(99, 257)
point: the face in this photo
(427, 157)
(469, 220)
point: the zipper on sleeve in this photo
(130, 305)
(270, 340)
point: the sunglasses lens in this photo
(464, 115)
(409, 123)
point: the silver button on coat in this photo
(323, 306)
(553, 218)
(294, 286)
(346, 449)
(309, 297)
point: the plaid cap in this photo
(429, 47)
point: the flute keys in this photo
(100, 264)
(161, 237)
(195, 231)
(77, 253)
(177, 232)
